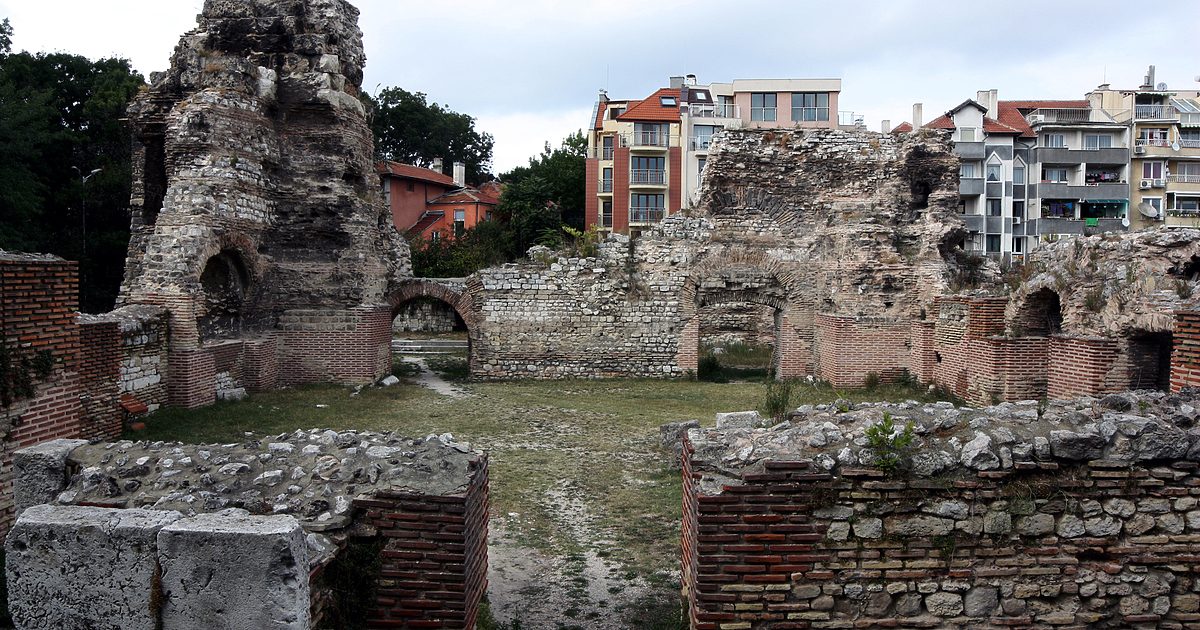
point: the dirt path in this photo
(430, 379)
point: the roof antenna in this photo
(606, 78)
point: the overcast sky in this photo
(529, 71)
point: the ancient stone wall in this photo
(1079, 514)
(195, 511)
(254, 190)
(435, 317)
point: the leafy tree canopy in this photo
(60, 120)
(412, 131)
(563, 173)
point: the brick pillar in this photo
(434, 570)
(191, 379)
(922, 358)
(99, 370)
(620, 190)
(261, 372)
(1185, 355)
(591, 203)
(790, 358)
(1078, 365)
(688, 356)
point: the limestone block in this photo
(981, 601)
(40, 472)
(84, 567)
(235, 570)
(944, 603)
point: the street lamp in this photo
(83, 180)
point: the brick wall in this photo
(191, 378)
(351, 347)
(262, 365)
(1102, 545)
(434, 570)
(99, 372)
(1078, 366)
(852, 347)
(1185, 360)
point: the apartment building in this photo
(1165, 160)
(1036, 170)
(646, 157)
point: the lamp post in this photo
(83, 180)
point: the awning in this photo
(1105, 201)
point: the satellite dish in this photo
(1147, 210)
(1161, 87)
(1125, 221)
(1175, 146)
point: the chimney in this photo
(1148, 82)
(460, 174)
(886, 126)
(916, 118)
(691, 79)
(437, 165)
(603, 96)
(676, 82)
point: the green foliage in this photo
(18, 372)
(968, 272)
(1093, 300)
(710, 369)
(528, 210)
(484, 244)
(778, 399)
(889, 444)
(582, 244)
(351, 580)
(408, 129)
(1183, 289)
(61, 117)
(872, 380)
(451, 368)
(563, 170)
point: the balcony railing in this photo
(1189, 118)
(1155, 112)
(604, 186)
(1152, 142)
(1061, 115)
(645, 214)
(714, 110)
(766, 114)
(1189, 143)
(699, 143)
(606, 219)
(848, 119)
(601, 153)
(652, 176)
(646, 139)
(1184, 179)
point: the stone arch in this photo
(1040, 314)
(451, 293)
(743, 275)
(225, 283)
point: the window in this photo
(606, 214)
(1019, 175)
(650, 134)
(411, 187)
(1155, 137)
(810, 106)
(995, 207)
(645, 208)
(1054, 141)
(993, 243)
(700, 168)
(1055, 175)
(968, 170)
(613, 112)
(1058, 209)
(646, 170)
(460, 222)
(1187, 203)
(762, 106)
(669, 101)
(703, 136)
(1092, 142)
(1018, 210)
(994, 172)
(1188, 172)
(1156, 203)
(1018, 245)
(966, 134)
(608, 148)
(606, 184)
(1152, 170)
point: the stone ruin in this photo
(161, 535)
(257, 219)
(1076, 513)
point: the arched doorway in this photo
(1040, 315)
(444, 309)
(225, 283)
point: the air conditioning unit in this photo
(1016, 220)
(1139, 150)
(1037, 118)
(1159, 183)
(1145, 185)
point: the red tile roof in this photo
(602, 111)
(413, 172)
(652, 108)
(941, 122)
(492, 188)
(424, 224)
(1012, 113)
(903, 127)
(994, 126)
(463, 196)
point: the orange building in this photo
(425, 203)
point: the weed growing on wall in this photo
(778, 399)
(888, 443)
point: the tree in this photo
(408, 129)
(60, 119)
(563, 170)
(529, 212)
(484, 244)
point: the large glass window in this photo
(1093, 142)
(810, 106)
(966, 134)
(995, 207)
(608, 148)
(994, 172)
(645, 208)
(646, 170)
(650, 134)
(606, 214)
(968, 170)
(762, 106)
(1152, 170)
(703, 136)
(1018, 209)
(606, 184)
(1055, 175)
(1054, 140)
(993, 243)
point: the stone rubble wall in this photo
(1082, 513)
(425, 498)
(425, 317)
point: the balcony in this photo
(600, 153)
(1184, 183)
(647, 177)
(970, 186)
(1076, 116)
(714, 110)
(850, 119)
(699, 143)
(646, 140)
(1075, 226)
(1155, 112)
(1063, 155)
(604, 186)
(1189, 143)
(969, 150)
(1088, 192)
(974, 222)
(645, 214)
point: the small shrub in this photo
(710, 369)
(1183, 289)
(872, 380)
(889, 444)
(778, 400)
(1094, 299)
